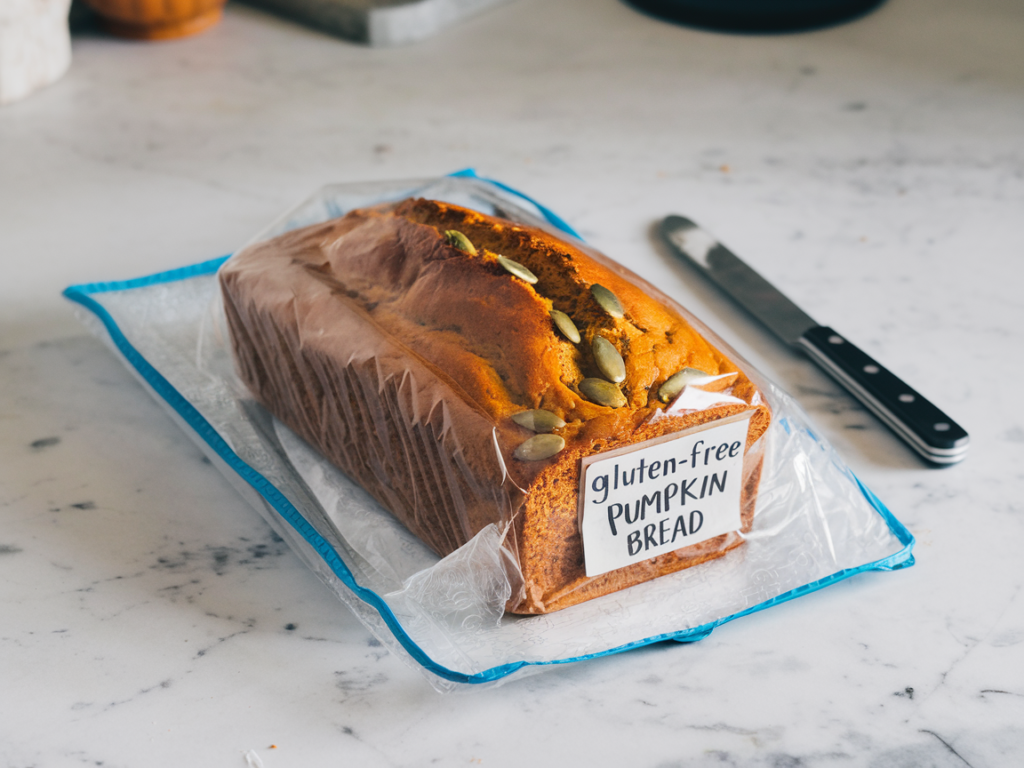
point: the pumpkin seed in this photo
(674, 384)
(539, 447)
(603, 393)
(609, 301)
(517, 269)
(608, 359)
(538, 420)
(458, 240)
(565, 324)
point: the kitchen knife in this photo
(924, 427)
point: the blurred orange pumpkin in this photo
(156, 19)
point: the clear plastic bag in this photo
(815, 523)
(404, 361)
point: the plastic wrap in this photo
(403, 360)
(814, 522)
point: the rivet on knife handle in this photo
(926, 428)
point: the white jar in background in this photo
(35, 45)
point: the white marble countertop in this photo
(876, 171)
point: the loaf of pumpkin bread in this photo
(406, 341)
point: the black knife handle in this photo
(924, 427)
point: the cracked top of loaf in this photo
(489, 334)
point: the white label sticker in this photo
(661, 495)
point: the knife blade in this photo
(922, 425)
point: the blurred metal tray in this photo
(377, 22)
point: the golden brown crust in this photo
(403, 358)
